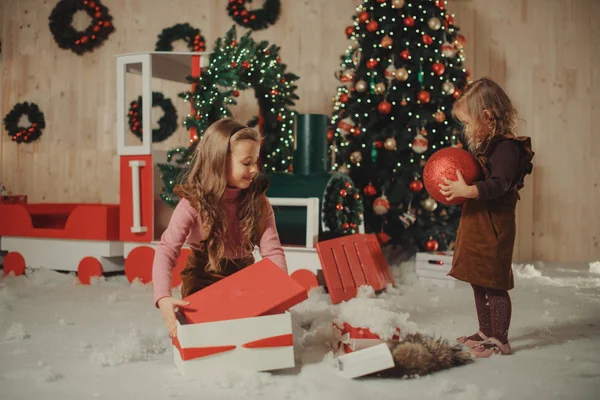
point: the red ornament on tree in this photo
(330, 135)
(245, 64)
(405, 54)
(385, 107)
(381, 205)
(343, 193)
(370, 190)
(236, 93)
(345, 225)
(438, 68)
(372, 63)
(443, 164)
(424, 96)
(349, 30)
(363, 16)
(427, 39)
(456, 93)
(409, 21)
(383, 237)
(372, 26)
(344, 98)
(416, 186)
(431, 245)
(339, 207)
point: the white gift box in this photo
(261, 343)
(433, 267)
(365, 361)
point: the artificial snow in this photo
(595, 267)
(61, 340)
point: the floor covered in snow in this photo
(62, 340)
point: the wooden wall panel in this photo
(542, 52)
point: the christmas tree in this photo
(400, 77)
(234, 66)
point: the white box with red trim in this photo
(263, 343)
(433, 268)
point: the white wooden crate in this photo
(433, 267)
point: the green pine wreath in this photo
(21, 134)
(195, 41)
(342, 205)
(256, 19)
(93, 36)
(235, 66)
(167, 124)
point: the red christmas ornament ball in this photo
(363, 16)
(349, 30)
(385, 107)
(409, 21)
(370, 190)
(405, 54)
(344, 98)
(416, 186)
(383, 238)
(431, 245)
(443, 164)
(339, 207)
(438, 68)
(424, 96)
(372, 63)
(427, 39)
(372, 26)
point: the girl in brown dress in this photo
(486, 233)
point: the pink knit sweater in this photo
(186, 227)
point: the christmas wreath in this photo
(235, 66)
(255, 19)
(342, 205)
(18, 133)
(192, 37)
(166, 125)
(68, 37)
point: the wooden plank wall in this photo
(543, 53)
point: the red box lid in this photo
(259, 289)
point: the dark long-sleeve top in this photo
(506, 170)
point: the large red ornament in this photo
(385, 107)
(431, 245)
(424, 96)
(438, 68)
(443, 164)
(372, 26)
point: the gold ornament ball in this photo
(355, 157)
(397, 3)
(448, 87)
(379, 88)
(429, 204)
(361, 86)
(434, 23)
(401, 74)
(390, 144)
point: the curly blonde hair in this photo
(206, 181)
(490, 110)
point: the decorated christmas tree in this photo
(235, 66)
(392, 111)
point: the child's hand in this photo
(459, 188)
(167, 308)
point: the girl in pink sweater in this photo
(223, 213)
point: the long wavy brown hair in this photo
(490, 109)
(206, 181)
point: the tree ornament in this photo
(363, 16)
(370, 190)
(385, 107)
(349, 30)
(390, 72)
(372, 63)
(346, 125)
(339, 207)
(401, 74)
(355, 157)
(343, 192)
(438, 68)
(439, 116)
(456, 94)
(387, 41)
(390, 144)
(448, 50)
(416, 186)
(397, 3)
(409, 21)
(361, 86)
(407, 219)
(344, 170)
(434, 23)
(405, 54)
(344, 98)
(459, 42)
(379, 88)
(429, 204)
(381, 205)
(420, 144)
(427, 39)
(403, 102)
(424, 96)
(372, 26)
(448, 88)
(431, 245)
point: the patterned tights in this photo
(493, 311)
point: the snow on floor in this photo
(62, 340)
